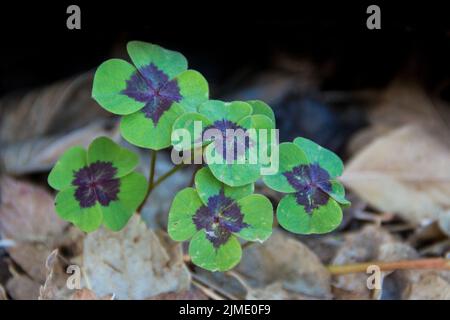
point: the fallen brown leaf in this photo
(86, 294)
(191, 294)
(21, 287)
(39, 154)
(60, 107)
(360, 246)
(3, 293)
(406, 172)
(132, 263)
(274, 291)
(288, 261)
(28, 217)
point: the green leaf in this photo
(203, 253)
(246, 168)
(207, 186)
(193, 88)
(170, 62)
(104, 149)
(260, 123)
(187, 122)
(262, 108)
(115, 216)
(290, 156)
(327, 159)
(71, 161)
(141, 131)
(184, 206)
(258, 214)
(294, 218)
(232, 174)
(68, 208)
(257, 122)
(109, 81)
(218, 110)
(133, 188)
(338, 193)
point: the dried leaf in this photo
(3, 293)
(444, 222)
(286, 260)
(60, 107)
(132, 263)
(406, 172)
(361, 246)
(413, 284)
(406, 102)
(55, 286)
(430, 286)
(21, 287)
(47, 291)
(274, 291)
(40, 153)
(86, 294)
(191, 294)
(27, 216)
(403, 102)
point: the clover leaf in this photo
(308, 173)
(150, 95)
(214, 215)
(239, 164)
(262, 108)
(98, 185)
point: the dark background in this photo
(220, 38)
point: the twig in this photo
(239, 278)
(432, 263)
(219, 290)
(210, 293)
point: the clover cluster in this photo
(157, 94)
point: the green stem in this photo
(165, 176)
(151, 178)
(192, 182)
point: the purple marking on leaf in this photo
(152, 86)
(96, 182)
(311, 183)
(220, 218)
(230, 139)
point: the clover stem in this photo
(165, 176)
(153, 185)
(192, 182)
(248, 244)
(151, 178)
(431, 263)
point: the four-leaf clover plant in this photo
(308, 173)
(158, 96)
(236, 169)
(214, 215)
(97, 186)
(150, 95)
